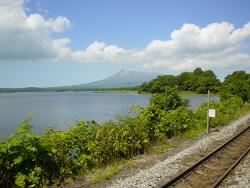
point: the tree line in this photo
(199, 81)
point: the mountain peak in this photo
(121, 79)
(122, 72)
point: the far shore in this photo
(181, 93)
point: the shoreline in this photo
(181, 93)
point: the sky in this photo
(47, 43)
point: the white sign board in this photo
(211, 113)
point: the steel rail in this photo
(218, 182)
(200, 162)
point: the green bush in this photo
(25, 161)
(31, 160)
(236, 84)
(175, 122)
(169, 100)
(226, 110)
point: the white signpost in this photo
(210, 112)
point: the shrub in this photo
(236, 84)
(176, 122)
(25, 160)
(169, 100)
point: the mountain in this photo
(121, 79)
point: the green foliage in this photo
(225, 111)
(199, 81)
(31, 160)
(169, 100)
(236, 84)
(175, 122)
(205, 81)
(24, 159)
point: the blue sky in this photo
(135, 35)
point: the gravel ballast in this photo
(165, 169)
(240, 176)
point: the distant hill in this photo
(121, 79)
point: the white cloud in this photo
(60, 46)
(100, 52)
(59, 24)
(217, 45)
(28, 36)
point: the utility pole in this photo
(208, 126)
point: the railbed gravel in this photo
(240, 176)
(172, 165)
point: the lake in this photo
(60, 109)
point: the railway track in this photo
(213, 168)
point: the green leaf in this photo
(20, 180)
(18, 160)
(54, 150)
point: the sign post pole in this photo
(208, 126)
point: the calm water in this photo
(64, 108)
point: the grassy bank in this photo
(30, 159)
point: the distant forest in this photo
(199, 81)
